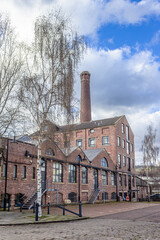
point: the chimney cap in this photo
(85, 73)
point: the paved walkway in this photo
(95, 210)
(123, 225)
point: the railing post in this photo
(48, 208)
(21, 207)
(80, 209)
(8, 207)
(63, 209)
(34, 206)
(36, 216)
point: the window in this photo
(131, 147)
(120, 180)
(33, 173)
(72, 196)
(84, 175)
(104, 178)
(124, 161)
(72, 173)
(122, 127)
(91, 142)
(132, 163)
(15, 171)
(118, 141)
(57, 172)
(24, 171)
(79, 142)
(104, 162)
(134, 195)
(133, 181)
(113, 195)
(112, 179)
(105, 196)
(128, 148)
(50, 152)
(4, 170)
(119, 160)
(129, 164)
(125, 180)
(105, 140)
(127, 133)
(92, 130)
(123, 143)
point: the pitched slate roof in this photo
(91, 124)
(92, 153)
(67, 151)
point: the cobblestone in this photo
(113, 221)
(94, 229)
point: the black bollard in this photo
(36, 216)
(8, 207)
(48, 208)
(63, 209)
(80, 209)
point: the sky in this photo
(123, 54)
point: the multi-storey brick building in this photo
(95, 160)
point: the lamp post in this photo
(117, 198)
(6, 172)
(79, 159)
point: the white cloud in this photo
(87, 15)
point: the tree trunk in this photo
(39, 185)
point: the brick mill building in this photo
(93, 162)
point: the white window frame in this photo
(105, 140)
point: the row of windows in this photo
(123, 180)
(58, 174)
(73, 196)
(127, 131)
(130, 163)
(15, 169)
(92, 141)
(127, 145)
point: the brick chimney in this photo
(85, 114)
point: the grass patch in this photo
(47, 218)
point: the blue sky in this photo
(123, 56)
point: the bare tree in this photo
(10, 72)
(150, 151)
(47, 88)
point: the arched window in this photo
(50, 152)
(104, 162)
(72, 196)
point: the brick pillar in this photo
(85, 113)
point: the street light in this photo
(6, 170)
(117, 197)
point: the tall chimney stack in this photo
(85, 114)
